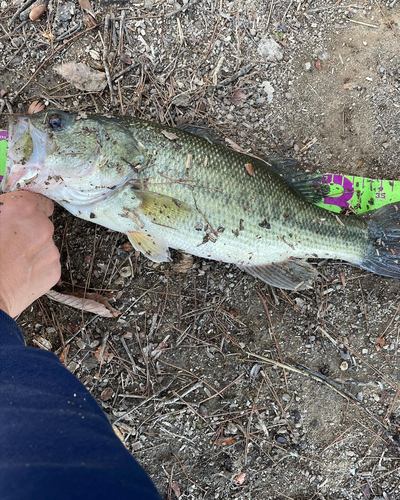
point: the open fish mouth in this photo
(27, 151)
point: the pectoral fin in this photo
(155, 250)
(291, 274)
(163, 210)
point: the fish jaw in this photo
(36, 162)
(27, 151)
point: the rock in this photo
(269, 89)
(307, 66)
(344, 354)
(270, 50)
(181, 100)
(65, 12)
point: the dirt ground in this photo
(177, 373)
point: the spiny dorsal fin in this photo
(309, 186)
(203, 131)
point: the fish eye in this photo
(55, 122)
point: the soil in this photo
(177, 373)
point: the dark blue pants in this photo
(55, 441)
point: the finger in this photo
(44, 204)
(26, 203)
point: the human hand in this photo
(29, 259)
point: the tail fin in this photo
(383, 256)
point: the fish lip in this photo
(20, 171)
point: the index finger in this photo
(44, 203)
(26, 200)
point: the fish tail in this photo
(383, 255)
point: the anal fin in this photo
(292, 274)
(155, 250)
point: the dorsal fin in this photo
(309, 186)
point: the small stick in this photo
(273, 334)
(183, 8)
(308, 145)
(103, 348)
(270, 13)
(333, 385)
(237, 75)
(71, 31)
(23, 7)
(128, 352)
(120, 47)
(47, 60)
(364, 24)
(107, 24)
(122, 72)
(266, 377)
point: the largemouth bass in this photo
(167, 188)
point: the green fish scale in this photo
(215, 181)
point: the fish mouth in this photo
(26, 153)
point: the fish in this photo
(167, 188)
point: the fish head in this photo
(69, 157)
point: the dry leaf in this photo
(106, 394)
(169, 135)
(3, 92)
(185, 263)
(175, 489)
(119, 434)
(380, 341)
(88, 21)
(239, 479)
(127, 247)
(48, 34)
(225, 441)
(232, 144)
(37, 12)
(238, 98)
(93, 302)
(86, 6)
(35, 107)
(318, 65)
(350, 85)
(107, 355)
(82, 76)
(42, 343)
(64, 354)
(249, 169)
(126, 59)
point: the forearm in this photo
(52, 432)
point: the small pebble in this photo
(345, 355)
(65, 12)
(344, 366)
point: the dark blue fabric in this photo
(55, 441)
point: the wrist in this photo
(4, 306)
